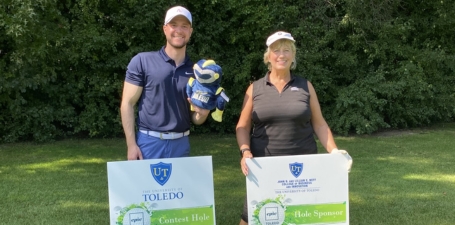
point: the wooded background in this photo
(375, 64)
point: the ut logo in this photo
(161, 172)
(296, 169)
(157, 172)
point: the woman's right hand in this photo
(243, 166)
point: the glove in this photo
(345, 153)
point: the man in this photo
(157, 82)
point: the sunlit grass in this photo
(431, 177)
(397, 178)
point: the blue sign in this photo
(161, 172)
(296, 169)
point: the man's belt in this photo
(165, 135)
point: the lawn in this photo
(399, 177)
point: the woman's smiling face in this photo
(281, 55)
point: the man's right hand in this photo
(134, 153)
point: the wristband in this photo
(243, 150)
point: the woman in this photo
(283, 110)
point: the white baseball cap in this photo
(277, 36)
(177, 11)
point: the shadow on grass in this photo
(59, 183)
(229, 181)
(402, 179)
(405, 179)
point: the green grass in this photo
(405, 177)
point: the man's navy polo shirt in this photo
(163, 105)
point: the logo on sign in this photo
(134, 216)
(161, 172)
(271, 213)
(137, 218)
(296, 169)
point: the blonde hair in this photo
(279, 44)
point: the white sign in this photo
(161, 191)
(300, 189)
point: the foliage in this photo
(375, 64)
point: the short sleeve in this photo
(134, 72)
